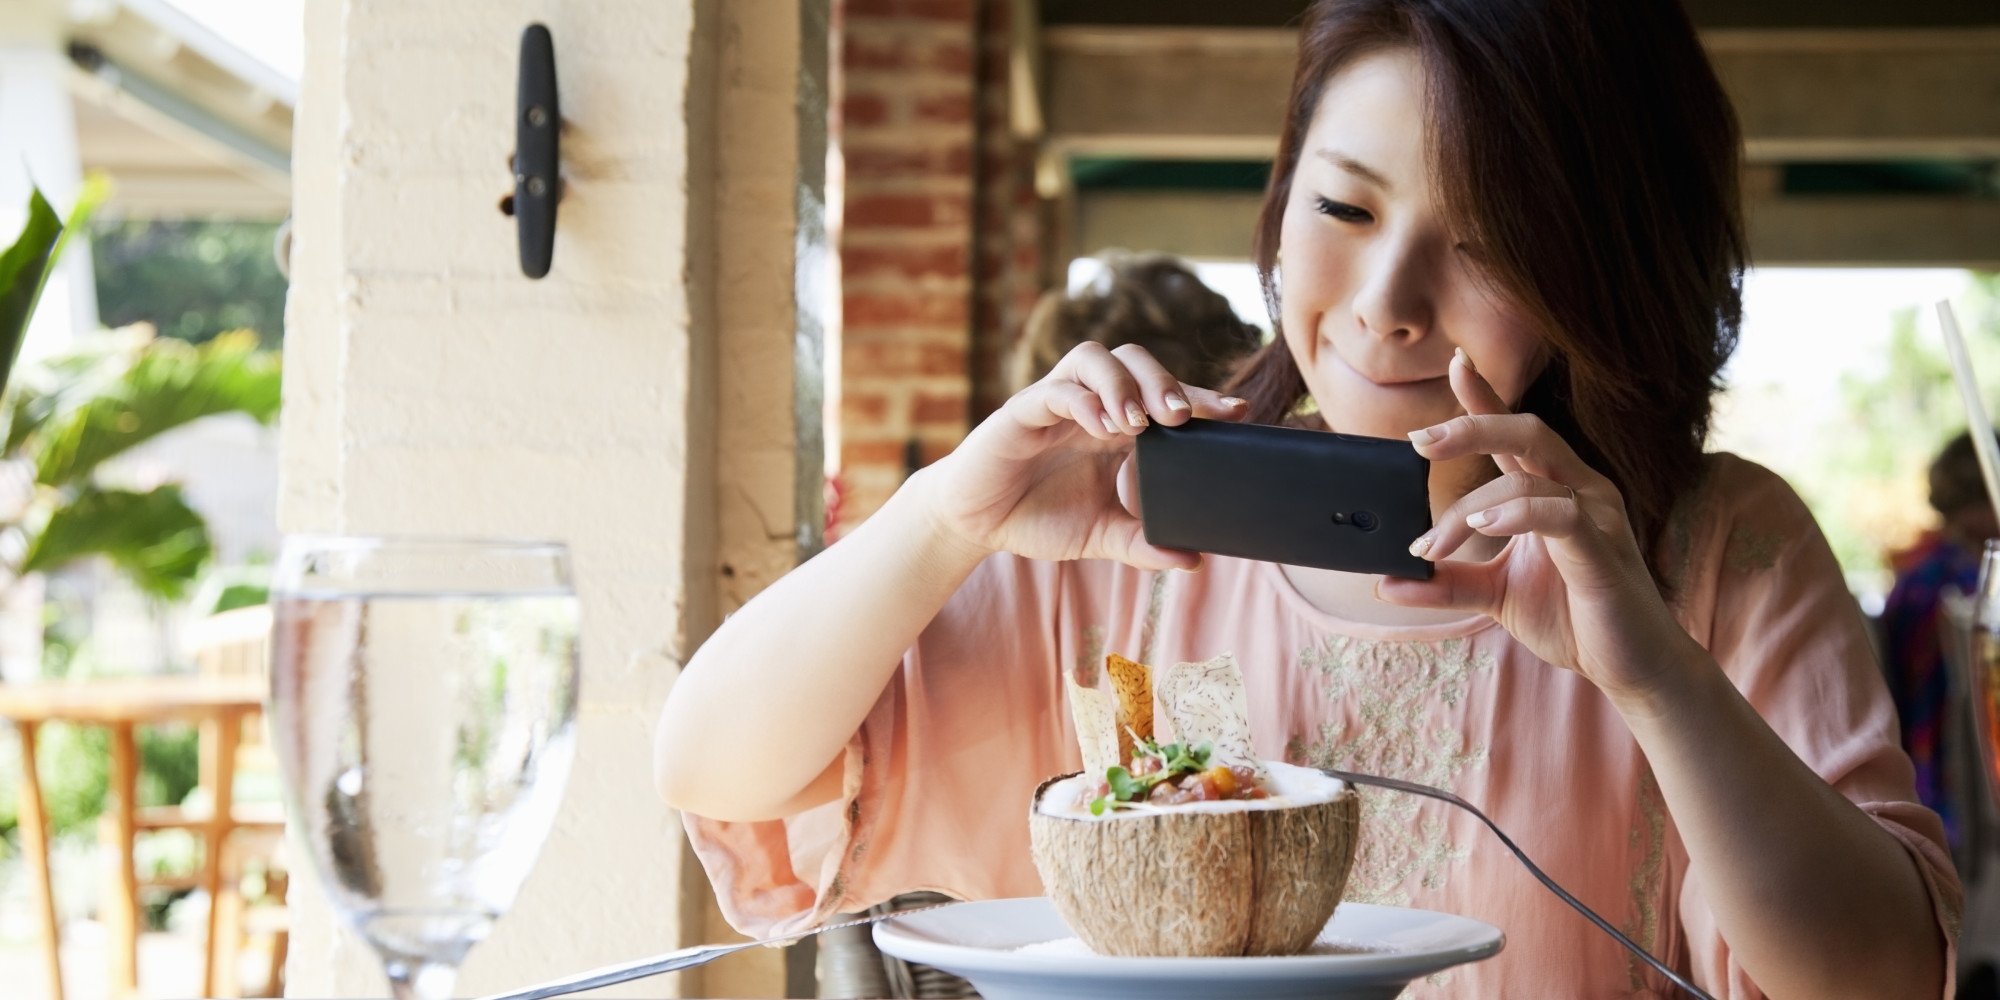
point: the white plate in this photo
(1385, 947)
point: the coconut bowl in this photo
(1255, 877)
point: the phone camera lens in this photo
(1365, 520)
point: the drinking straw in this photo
(1976, 419)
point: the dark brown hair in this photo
(1587, 150)
(1956, 484)
(1151, 299)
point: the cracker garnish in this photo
(1096, 721)
(1206, 703)
(1132, 681)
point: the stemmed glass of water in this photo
(423, 707)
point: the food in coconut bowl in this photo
(1191, 846)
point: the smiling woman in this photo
(1546, 306)
(1508, 231)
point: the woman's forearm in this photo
(766, 704)
(1814, 898)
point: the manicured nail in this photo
(1424, 435)
(1420, 546)
(1135, 414)
(1464, 359)
(1176, 402)
(1479, 518)
(1112, 425)
(1233, 401)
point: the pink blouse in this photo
(939, 776)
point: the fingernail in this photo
(1479, 518)
(1464, 359)
(1233, 401)
(1112, 425)
(1420, 546)
(1135, 414)
(1425, 435)
(1176, 402)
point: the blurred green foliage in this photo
(1867, 480)
(205, 282)
(75, 764)
(79, 410)
(191, 279)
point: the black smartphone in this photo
(1307, 498)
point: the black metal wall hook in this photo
(537, 153)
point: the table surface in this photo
(121, 699)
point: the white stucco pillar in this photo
(431, 388)
(38, 145)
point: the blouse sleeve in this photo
(937, 780)
(1787, 632)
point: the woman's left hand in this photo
(1573, 586)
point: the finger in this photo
(1213, 405)
(1169, 400)
(1106, 375)
(1451, 529)
(1550, 517)
(1128, 484)
(1476, 395)
(1052, 401)
(1456, 586)
(1163, 395)
(1124, 539)
(1523, 436)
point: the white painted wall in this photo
(429, 387)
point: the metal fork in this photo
(684, 958)
(1413, 788)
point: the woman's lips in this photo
(1385, 381)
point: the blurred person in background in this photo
(1912, 640)
(1153, 300)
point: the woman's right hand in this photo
(1050, 474)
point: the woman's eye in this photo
(1343, 211)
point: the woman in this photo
(1507, 229)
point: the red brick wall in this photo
(937, 236)
(1008, 229)
(906, 137)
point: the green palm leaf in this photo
(24, 270)
(169, 383)
(153, 537)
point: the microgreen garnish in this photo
(1127, 789)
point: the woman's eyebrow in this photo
(1355, 167)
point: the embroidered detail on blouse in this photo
(1750, 549)
(1090, 662)
(1649, 843)
(1151, 626)
(1386, 692)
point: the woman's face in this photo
(1376, 292)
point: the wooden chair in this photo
(231, 644)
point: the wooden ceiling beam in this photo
(1908, 231)
(1197, 93)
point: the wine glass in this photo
(423, 708)
(1986, 665)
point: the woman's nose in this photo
(1393, 300)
